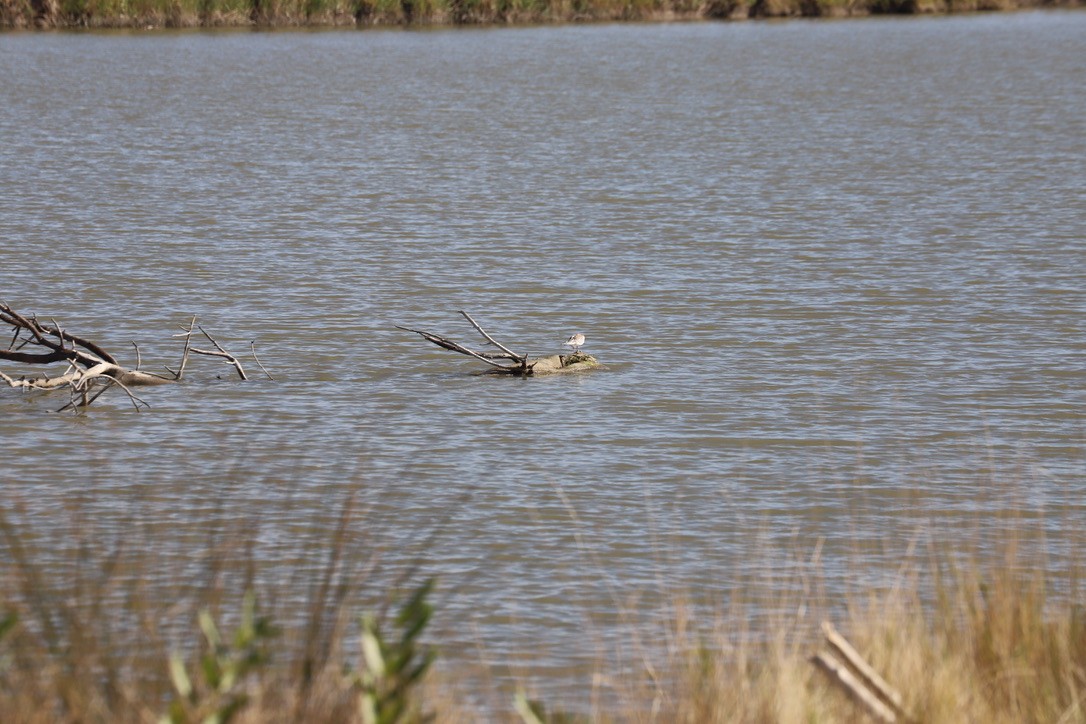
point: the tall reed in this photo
(98, 634)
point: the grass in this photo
(325, 13)
(995, 646)
(99, 636)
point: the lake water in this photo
(836, 270)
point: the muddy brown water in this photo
(837, 271)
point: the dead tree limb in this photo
(87, 365)
(252, 348)
(522, 367)
(54, 344)
(512, 355)
(186, 332)
(455, 347)
(220, 352)
(521, 363)
(83, 392)
(859, 679)
(42, 335)
(855, 688)
(870, 677)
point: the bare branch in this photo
(225, 355)
(455, 347)
(33, 359)
(101, 392)
(252, 347)
(523, 365)
(57, 332)
(43, 336)
(490, 339)
(79, 341)
(855, 688)
(185, 354)
(109, 382)
(72, 378)
(870, 677)
(859, 679)
(88, 366)
(222, 353)
(131, 395)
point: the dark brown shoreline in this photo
(151, 14)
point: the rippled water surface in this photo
(836, 270)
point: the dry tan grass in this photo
(967, 644)
(996, 641)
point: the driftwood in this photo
(90, 370)
(217, 352)
(859, 679)
(515, 364)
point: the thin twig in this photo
(135, 399)
(131, 395)
(232, 358)
(185, 354)
(57, 332)
(225, 355)
(86, 344)
(252, 347)
(139, 361)
(102, 392)
(496, 343)
(855, 687)
(869, 675)
(455, 347)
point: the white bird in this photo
(575, 342)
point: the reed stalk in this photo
(99, 634)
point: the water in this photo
(835, 269)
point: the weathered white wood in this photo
(79, 376)
(224, 355)
(866, 671)
(522, 364)
(36, 343)
(221, 353)
(187, 334)
(252, 348)
(490, 339)
(456, 347)
(557, 364)
(848, 681)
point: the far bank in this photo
(150, 14)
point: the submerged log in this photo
(556, 364)
(520, 364)
(90, 370)
(859, 679)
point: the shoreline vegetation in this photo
(153, 14)
(998, 639)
